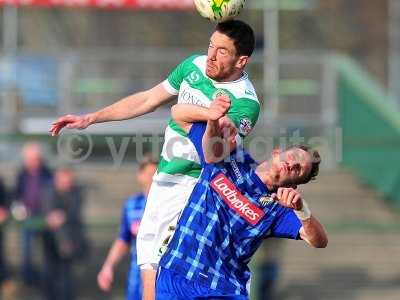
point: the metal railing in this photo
(79, 82)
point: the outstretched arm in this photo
(127, 108)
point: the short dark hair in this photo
(241, 33)
(315, 162)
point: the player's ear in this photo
(242, 61)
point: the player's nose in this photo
(212, 54)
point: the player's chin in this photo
(212, 73)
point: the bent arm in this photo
(133, 106)
(314, 233)
(186, 114)
(219, 140)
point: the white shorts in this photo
(164, 204)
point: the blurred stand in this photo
(30, 185)
(10, 111)
(266, 270)
(3, 219)
(64, 237)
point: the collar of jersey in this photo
(243, 77)
(259, 183)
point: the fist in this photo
(288, 197)
(105, 278)
(219, 107)
(228, 129)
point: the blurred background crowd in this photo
(46, 206)
(326, 71)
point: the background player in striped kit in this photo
(197, 80)
(130, 220)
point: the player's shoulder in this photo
(244, 89)
(249, 90)
(193, 65)
(194, 58)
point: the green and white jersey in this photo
(179, 162)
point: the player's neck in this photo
(263, 172)
(233, 77)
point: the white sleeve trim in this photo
(169, 88)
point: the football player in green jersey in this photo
(199, 80)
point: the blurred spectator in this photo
(266, 262)
(131, 215)
(31, 182)
(3, 219)
(64, 239)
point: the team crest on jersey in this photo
(245, 126)
(219, 93)
(265, 200)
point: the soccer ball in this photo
(219, 10)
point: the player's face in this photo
(222, 59)
(290, 167)
(145, 176)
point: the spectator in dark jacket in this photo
(64, 238)
(30, 184)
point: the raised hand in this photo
(219, 107)
(228, 129)
(71, 122)
(288, 197)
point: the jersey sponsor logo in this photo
(245, 126)
(188, 98)
(235, 200)
(193, 77)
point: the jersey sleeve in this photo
(244, 113)
(175, 78)
(124, 230)
(287, 225)
(195, 135)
